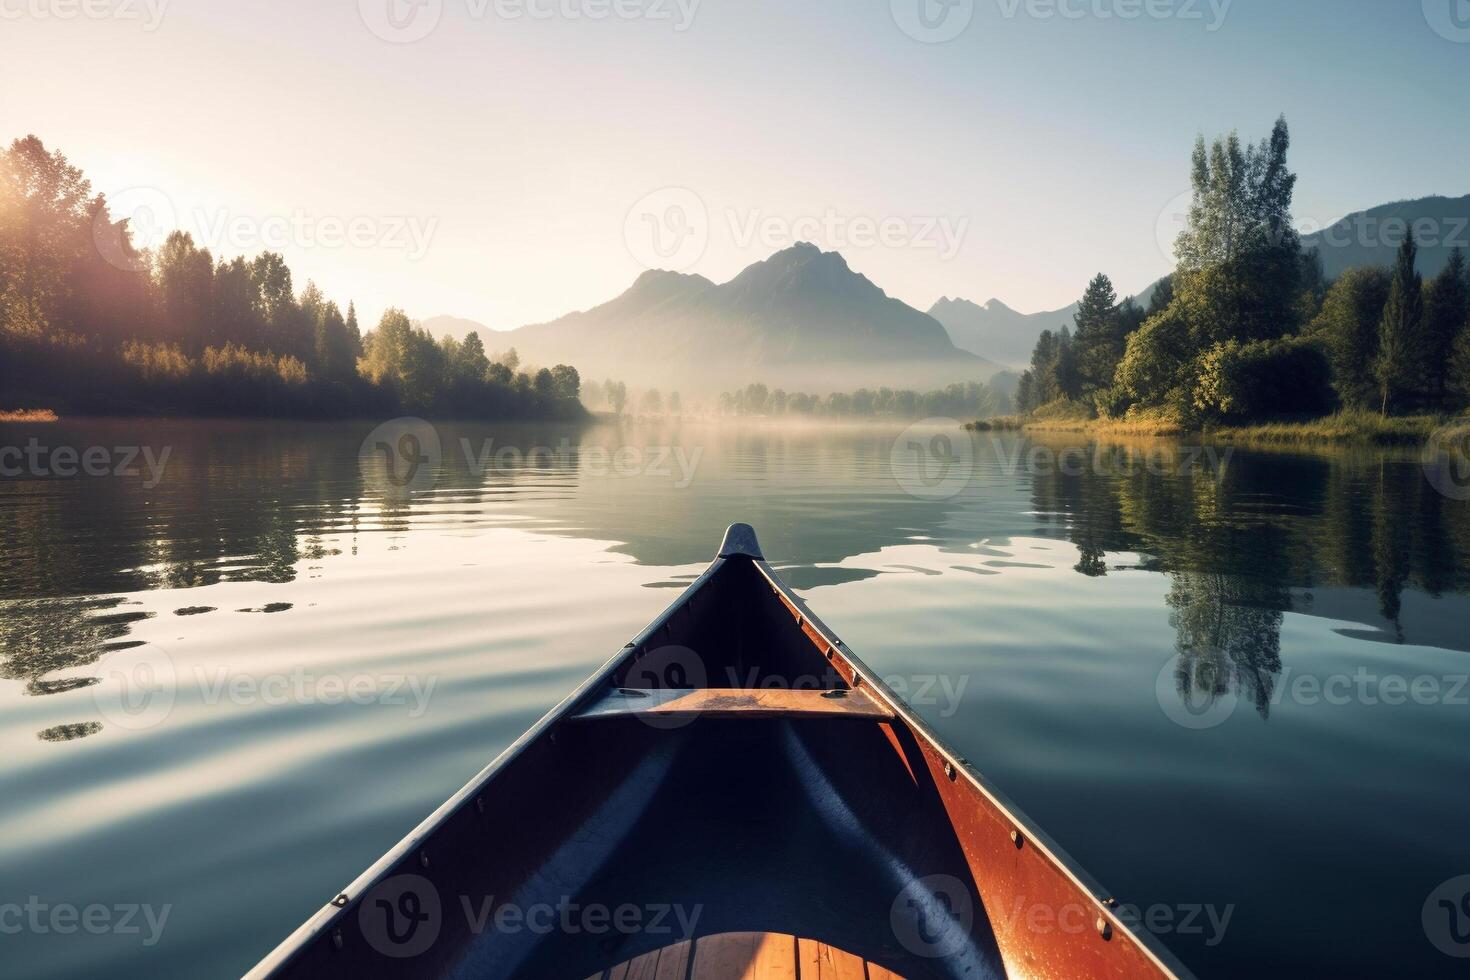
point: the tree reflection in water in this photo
(1244, 542)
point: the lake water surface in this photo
(1231, 685)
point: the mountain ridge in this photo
(801, 318)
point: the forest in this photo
(956, 400)
(1248, 329)
(92, 325)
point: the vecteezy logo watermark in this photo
(406, 21)
(1446, 459)
(675, 463)
(401, 916)
(933, 459)
(1198, 693)
(147, 12)
(936, 21)
(932, 917)
(1172, 222)
(1075, 918)
(570, 918)
(1446, 917)
(932, 21)
(1450, 19)
(401, 457)
(303, 687)
(44, 462)
(844, 233)
(137, 686)
(1191, 696)
(42, 918)
(1039, 459)
(401, 21)
(667, 229)
(147, 214)
(1356, 231)
(1182, 10)
(669, 668)
(151, 216)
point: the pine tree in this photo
(1446, 309)
(1044, 370)
(1161, 297)
(1399, 331)
(1098, 343)
(1068, 376)
(1459, 373)
(1348, 326)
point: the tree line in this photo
(971, 399)
(91, 324)
(1247, 327)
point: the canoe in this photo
(734, 794)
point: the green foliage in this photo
(1459, 372)
(164, 363)
(1161, 297)
(1446, 317)
(1286, 376)
(1399, 332)
(1156, 364)
(970, 400)
(1242, 202)
(1100, 334)
(89, 324)
(1348, 327)
(1053, 373)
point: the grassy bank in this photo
(1343, 427)
(1368, 427)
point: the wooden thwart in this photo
(852, 705)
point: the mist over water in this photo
(1117, 635)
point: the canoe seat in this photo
(745, 703)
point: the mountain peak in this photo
(800, 315)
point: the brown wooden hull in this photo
(737, 767)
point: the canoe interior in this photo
(822, 828)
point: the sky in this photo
(513, 160)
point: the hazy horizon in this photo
(500, 167)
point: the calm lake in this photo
(1231, 684)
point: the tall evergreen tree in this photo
(1098, 343)
(1161, 297)
(1067, 373)
(1044, 370)
(1399, 333)
(1026, 393)
(1348, 327)
(1446, 310)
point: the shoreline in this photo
(1343, 428)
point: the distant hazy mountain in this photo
(995, 330)
(456, 327)
(1372, 237)
(1000, 333)
(801, 319)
